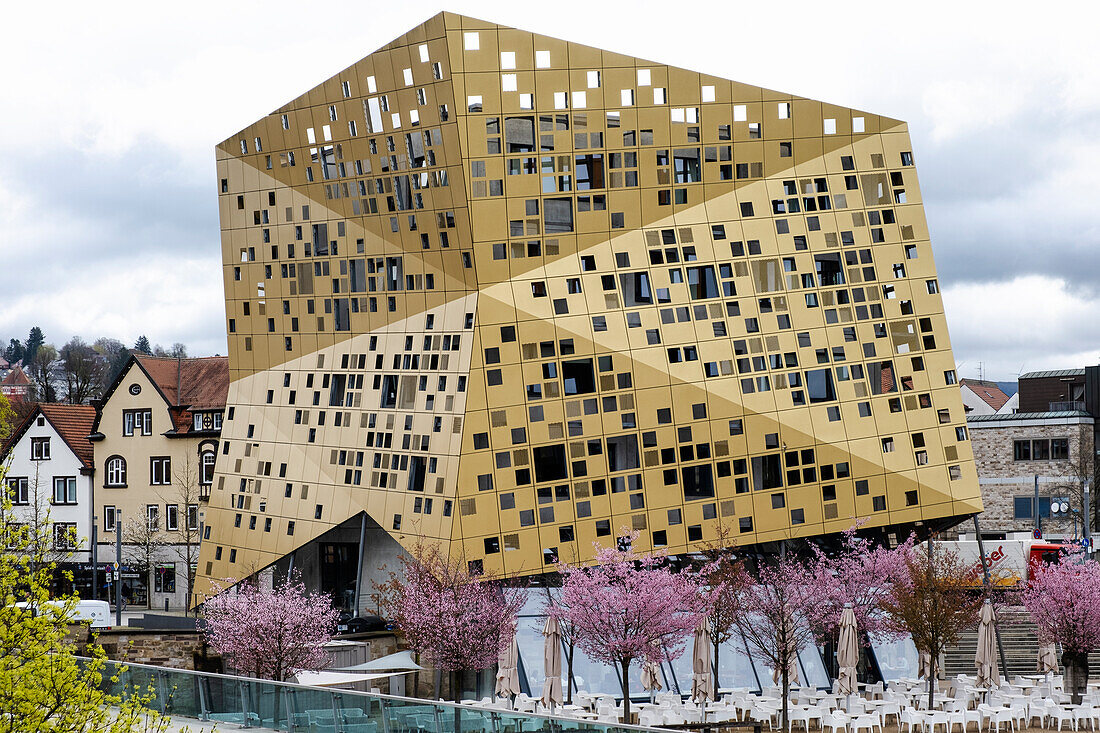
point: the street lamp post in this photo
(118, 564)
(95, 565)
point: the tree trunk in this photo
(569, 675)
(785, 675)
(717, 684)
(626, 691)
(932, 682)
(456, 695)
(1077, 674)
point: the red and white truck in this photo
(1009, 562)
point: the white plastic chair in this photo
(1085, 712)
(1062, 715)
(908, 718)
(868, 723)
(834, 722)
(997, 716)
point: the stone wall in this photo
(1002, 478)
(176, 649)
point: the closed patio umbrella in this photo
(847, 652)
(551, 662)
(507, 667)
(924, 665)
(985, 659)
(792, 670)
(702, 678)
(1048, 659)
(651, 677)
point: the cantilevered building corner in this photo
(515, 294)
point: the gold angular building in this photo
(515, 294)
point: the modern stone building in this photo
(1016, 452)
(517, 295)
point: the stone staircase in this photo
(1018, 637)
(1020, 642)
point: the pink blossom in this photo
(775, 616)
(1063, 599)
(860, 574)
(457, 622)
(270, 633)
(629, 607)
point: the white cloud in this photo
(1028, 323)
(1003, 107)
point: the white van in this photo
(96, 613)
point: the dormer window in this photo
(137, 422)
(206, 421)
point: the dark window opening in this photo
(698, 482)
(550, 463)
(578, 377)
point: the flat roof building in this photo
(516, 295)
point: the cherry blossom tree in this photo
(723, 579)
(860, 573)
(1063, 599)
(934, 601)
(272, 633)
(629, 606)
(454, 620)
(774, 616)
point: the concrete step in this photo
(1020, 641)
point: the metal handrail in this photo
(381, 697)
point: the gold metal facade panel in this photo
(679, 302)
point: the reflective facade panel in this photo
(516, 294)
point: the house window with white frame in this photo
(152, 517)
(19, 491)
(137, 422)
(206, 468)
(115, 469)
(40, 449)
(64, 490)
(109, 519)
(207, 421)
(193, 517)
(171, 517)
(160, 471)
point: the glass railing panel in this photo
(408, 716)
(290, 707)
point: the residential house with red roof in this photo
(16, 386)
(982, 397)
(156, 435)
(49, 477)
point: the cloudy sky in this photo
(108, 208)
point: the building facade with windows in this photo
(156, 437)
(517, 295)
(1016, 452)
(49, 474)
(16, 385)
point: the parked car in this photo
(348, 623)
